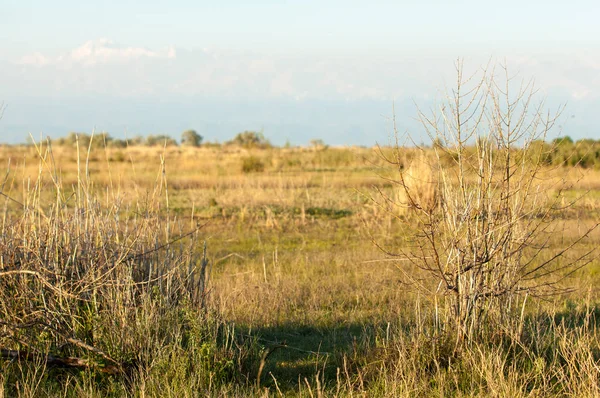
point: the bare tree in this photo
(487, 234)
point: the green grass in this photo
(294, 273)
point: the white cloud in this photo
(35, 59)
(97, 52)
(573, 74)
(105, 51)
(103, 66)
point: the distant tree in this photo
(318, 143)
(117, 143)
(250, 139)
(588, 142)
(70, 139)
(135, 141)
(73, 138)
(84, 140)
(438, 143)
(160, 140)
(191, 138)
(566, 140)
(102, 140)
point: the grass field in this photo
(300, 301)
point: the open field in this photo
(300, 300)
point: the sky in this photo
(297, 70)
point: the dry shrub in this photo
(480, 208)
(83, 276)
(252, 164)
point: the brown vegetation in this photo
(293, 267)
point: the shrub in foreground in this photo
(481, 227)
(117, 298)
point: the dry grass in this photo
(420, 183)
(294, 274)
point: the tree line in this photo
(565, 151)
(189, 138)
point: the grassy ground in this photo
(305, 303)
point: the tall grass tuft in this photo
(115, 288)
(552, 357)
(419, 184)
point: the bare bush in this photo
(487, 233)
(88, 280)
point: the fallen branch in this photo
(62, 362)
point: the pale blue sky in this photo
(325, 25)
(157, 66)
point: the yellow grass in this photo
(293, 258)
